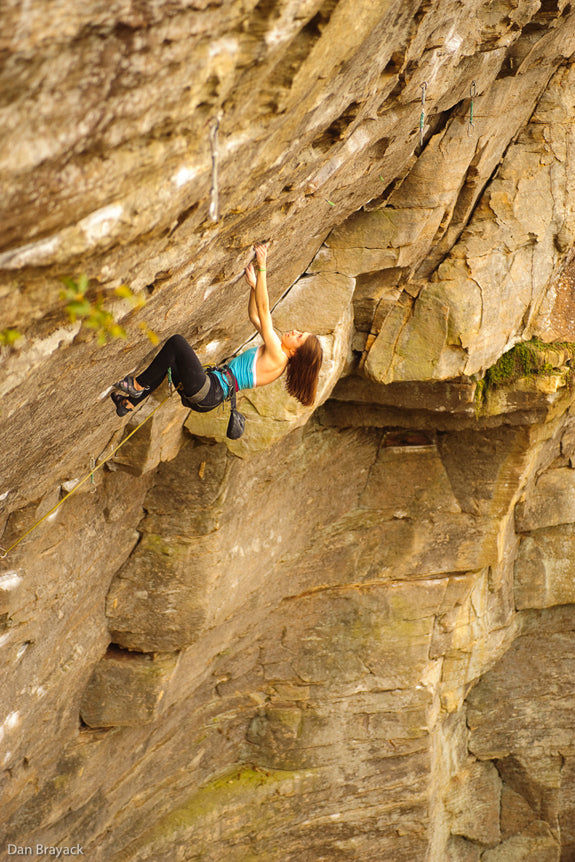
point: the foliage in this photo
(77, 306)
(94, 314)
(135, 300)
(149, 333)
(8, 337)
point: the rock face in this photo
(348, 635)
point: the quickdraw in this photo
(422, 115)
(472, 94)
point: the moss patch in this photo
(524, 360)
(240, 792)
(529, 359)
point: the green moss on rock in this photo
(244, 788)
(529, 359)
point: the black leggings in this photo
(187, 372)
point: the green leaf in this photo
(70, 284)
(124, 292)
(94, 315)
(83, 283)
(78, 308)
(9, 336)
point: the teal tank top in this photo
(243, 367)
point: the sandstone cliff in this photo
(350, 634)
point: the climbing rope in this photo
(5, 551)
(171, 388)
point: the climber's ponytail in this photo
(303, 371)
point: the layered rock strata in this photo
(350, 634)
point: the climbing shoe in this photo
(127, 387)
(120, 401)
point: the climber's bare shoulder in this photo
(270, 363)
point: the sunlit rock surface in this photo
(348, 635)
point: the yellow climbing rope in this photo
(5, 551)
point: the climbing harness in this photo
(422, 115)
(94, 468)
(237, 421)
(198, 396)
(472, 94)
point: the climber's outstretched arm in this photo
(252, 307)
(272, 342)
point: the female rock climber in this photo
(298, 353)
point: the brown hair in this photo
(303, 371)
